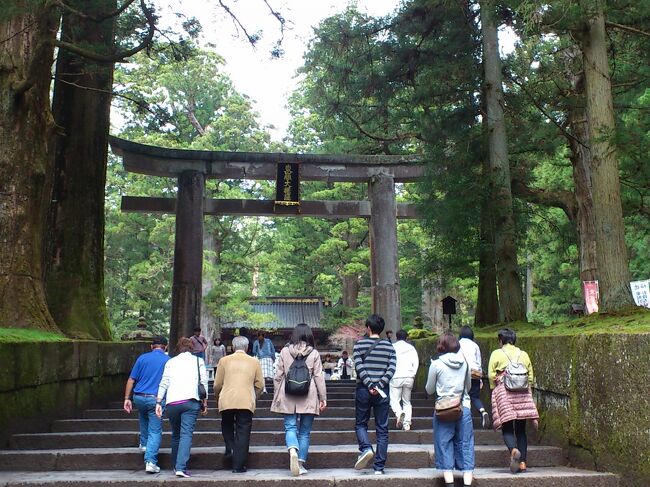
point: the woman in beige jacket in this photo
(299, 411)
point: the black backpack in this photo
(298, 378)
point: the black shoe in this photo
(239, 470)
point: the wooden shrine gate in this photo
(192, 167)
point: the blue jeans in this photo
(453, 443)
(150, 427)
(182, 417)
(199, 354)
(363, 403)
(475, 393)
(297, 435)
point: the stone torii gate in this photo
(192, 168)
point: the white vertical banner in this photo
(590, 292)
(641, 292)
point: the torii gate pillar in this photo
(384, 265)
(188, 257)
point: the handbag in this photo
(449, 409)
(201, 389)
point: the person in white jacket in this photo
(402, 382)
(179, 386)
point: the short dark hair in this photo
(447, 343)
(196, 328)
(302, 333)
(159, 340)
(376, 323)
(466, 332)
(401, 335)
(345, 352)
(389, 331)
(507, 335)
(261, 334)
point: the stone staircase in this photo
(100, 448)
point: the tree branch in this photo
(251, 39)
(538, 105)
(119, 57)
(557, 199)
(378, 138)
(627, 28)
(98, 20)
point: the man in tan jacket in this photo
(238, 383)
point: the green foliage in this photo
(417, 334)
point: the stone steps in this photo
(260, 457)
(265, 412)
(274, 423)
(331, 403)
(100, 448)
(342, 477)
(126, 439)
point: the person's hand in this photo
(159, 410)
(481, 386)
(322, 406)
(536, 424)
(204, 407)
(128, 406)
(373, 392)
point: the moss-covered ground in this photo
(20, 335)
(635, 320)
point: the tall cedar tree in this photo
(510, 292)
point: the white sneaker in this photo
(293, 462)
(180, 473)
(151, 468)
(143, 448)
(302, 469)
(363, 459)
(407, 427)
(379, 472)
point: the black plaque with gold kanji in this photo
(287, 188)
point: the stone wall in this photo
(593, 393)
(40, 381)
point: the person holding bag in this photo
(511, 376)
(184, 384)
(299, 394)
(453, 433)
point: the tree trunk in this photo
(210, 327)
(581, 160)
(510, 292)
(351, 287)
(26, 129)
(487, 301)
(613, 271)
(81, 106)
(432, 294)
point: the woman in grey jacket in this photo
(449, 377)
(299, 411)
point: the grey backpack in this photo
(515, 377)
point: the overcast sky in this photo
(267, 81)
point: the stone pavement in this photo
(101, 448)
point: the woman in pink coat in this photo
(511, 409)
(299, 411)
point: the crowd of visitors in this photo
(385, 375)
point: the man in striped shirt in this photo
(374, 362)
